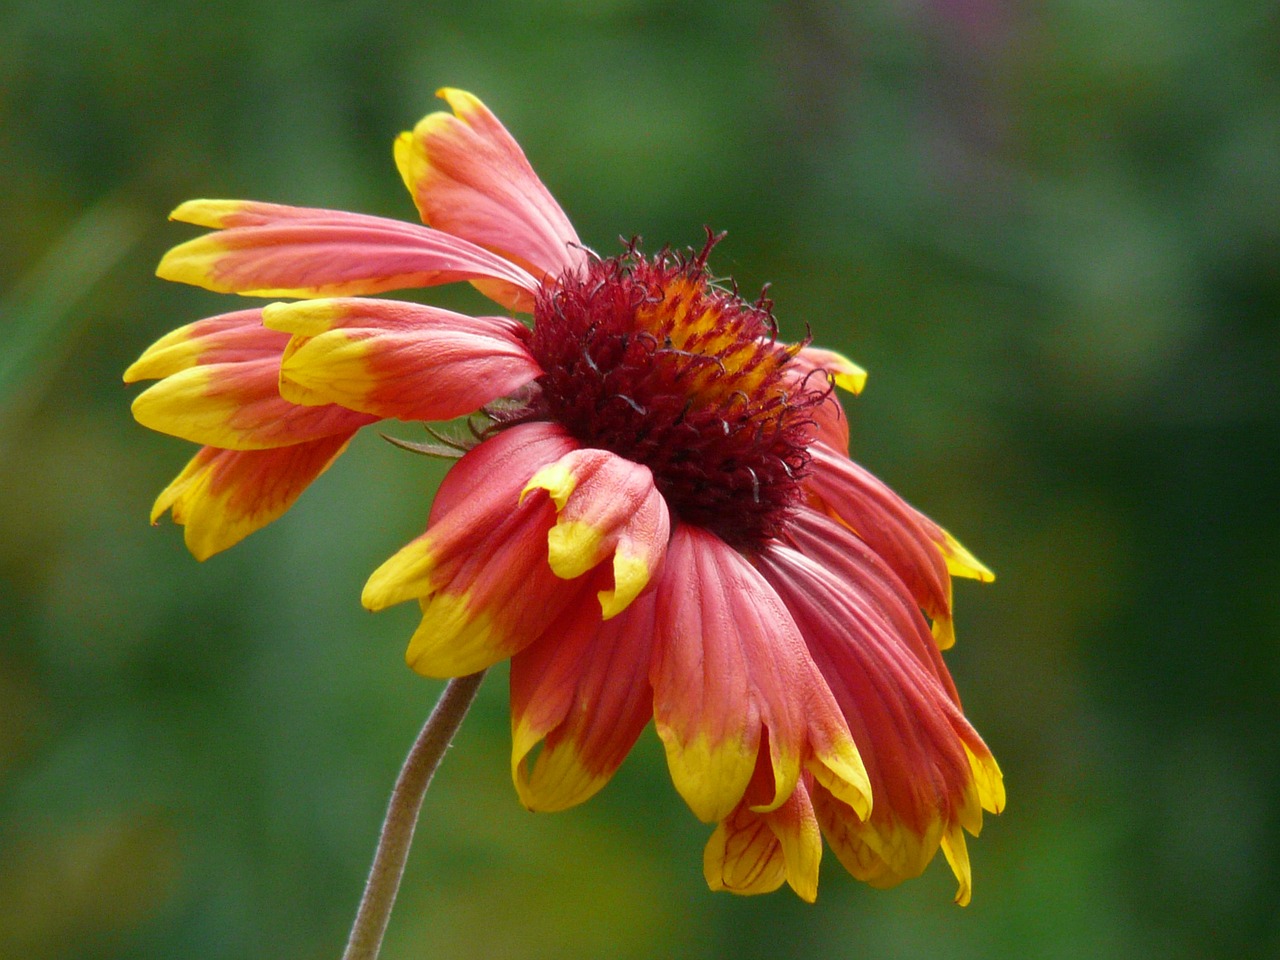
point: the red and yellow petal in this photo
(582, 690)
(236, 337)
(480, 572)
(605, 505)
(753, 852)
(237, 406)
(222, 496)
(920, 552)
(930, 772)
(469, 177)
(389, 358)
(729, 666)
(267, 250)
(844, 373)
(831, 426)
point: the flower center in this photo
(649, 359)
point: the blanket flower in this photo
(656, 517)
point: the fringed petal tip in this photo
(175, 351)
(956, 851)
(711, 778)
(962, 563)
(403, 576)
(222, 496)
(213, 214)
(842, 772)
(556, 779)
(987, 779)
(469, 177)
(454, 639)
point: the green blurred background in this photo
(1051, 231)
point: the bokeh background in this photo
(1051, 231)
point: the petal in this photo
(222, 496)
(583, 689)
(480, 571)
(729, 665)
(744, 856)
(389, 358)
(852, 561)
(469, 177)
(752, 852)
(920, 751)
(228, 338)
(956, 851)
(962, 563)
(606, 505)
(268, 250)
(844, 373)
(237, 406)
(916, 548)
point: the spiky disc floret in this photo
(648, 358)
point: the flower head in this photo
(658, 518)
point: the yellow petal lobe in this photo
(710, 777)
(631, 574)
(956, 851)
(573, 548)
(453, 639)
(405, 575)
(962, 563)
(744, 861)
(176, 350)
(207, 213)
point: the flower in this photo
(657, 520)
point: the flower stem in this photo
(402, 815)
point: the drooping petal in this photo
(469, 177)
(480, 571)
(920, 552)
(605, 505)
(729, 665)
(237, 406)
(222, 496)
(754, 852)
(921, 754)
(269, 250)
(583, 689)
(389, 358)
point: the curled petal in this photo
(605, 505)
(389, 358)
(753, 852)
(582, 688)
(237, 406)
(236, 337)
(222, 496)
(480, 572)
(729, 666)
(469, 177)
(267, 250)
